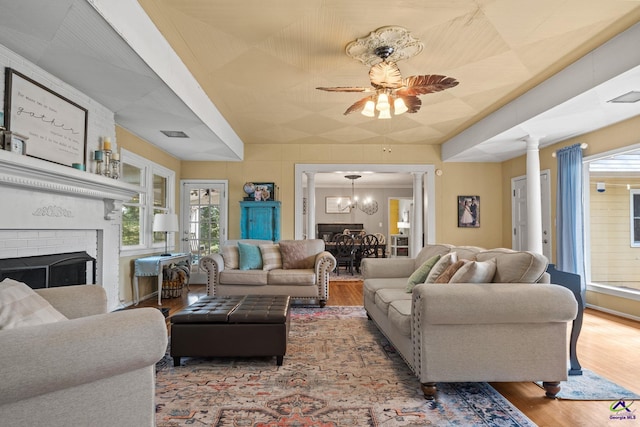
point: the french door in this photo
(203, 221)
(519, 213)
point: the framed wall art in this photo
(469, 211)
(56, 126)
(338, 205)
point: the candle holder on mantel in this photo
(106, 148)
(107, 161)
(115, 165)
(98, 156)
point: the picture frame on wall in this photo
(337, 205)
(55, 126)
(469, 211)
(264, 191)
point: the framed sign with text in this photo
(56, 126)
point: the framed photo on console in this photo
(56, 126)
(264, 191)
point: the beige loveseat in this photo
(298, 268)
(94, 369)
(512, 327)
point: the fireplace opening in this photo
(47, 271)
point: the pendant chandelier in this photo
(368, 205)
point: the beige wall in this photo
(620, 135)
(276, 163)
(490, 181)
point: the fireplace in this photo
(55, 209)
(47, 271)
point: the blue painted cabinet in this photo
(260, 220)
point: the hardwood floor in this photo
(608, 345)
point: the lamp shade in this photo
(165, 222)
(403, 224)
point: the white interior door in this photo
(203, 221)
(519, 213)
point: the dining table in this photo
(380, 249)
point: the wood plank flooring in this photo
(608, 345)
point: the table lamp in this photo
(166, 223)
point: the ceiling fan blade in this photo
(358, 106)
(421, 85)
(385, 75)
(346, 89)
(413, 103)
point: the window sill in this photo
(630, 294)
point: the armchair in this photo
(94, 369)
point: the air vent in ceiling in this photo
(629, 97)
(175, 133)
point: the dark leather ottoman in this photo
(253, 325)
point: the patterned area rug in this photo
(591, 386)
(338, 371)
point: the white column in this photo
(311, 205)
(418, 214)
(534, 202)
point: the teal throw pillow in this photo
(250, 257)
(420, 275)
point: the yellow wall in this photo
(490, 181)
(276, 163)
(620, 135)
(130, 142)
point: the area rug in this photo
(338, 371)
(591, 386)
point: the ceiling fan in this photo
(390, 92)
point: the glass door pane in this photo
(204, 220)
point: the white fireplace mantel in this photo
(34, 174)
(45, 206)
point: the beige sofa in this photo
(512, 329)
(95, 369)
(298, 268)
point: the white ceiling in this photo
(245, 72)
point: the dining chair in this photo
(345, 252)
(368, 248)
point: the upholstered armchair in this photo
(94, 369)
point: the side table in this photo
(152, 266)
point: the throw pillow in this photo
(475, 272)
(446, 276)
(250, 257)
(298, 254)
(420, 275)
(441, 266)
(271, 257)
(230, 257)
(22, 306)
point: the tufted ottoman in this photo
(252, 325)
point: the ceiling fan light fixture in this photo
(383, 103)
(399, 106)
(369, 109)
(384, 114)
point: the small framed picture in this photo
(264, 191)
(469, 211)
(14, 142)
(337, 205)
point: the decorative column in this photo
(418, 214)
(311, 205)
(534, 202)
